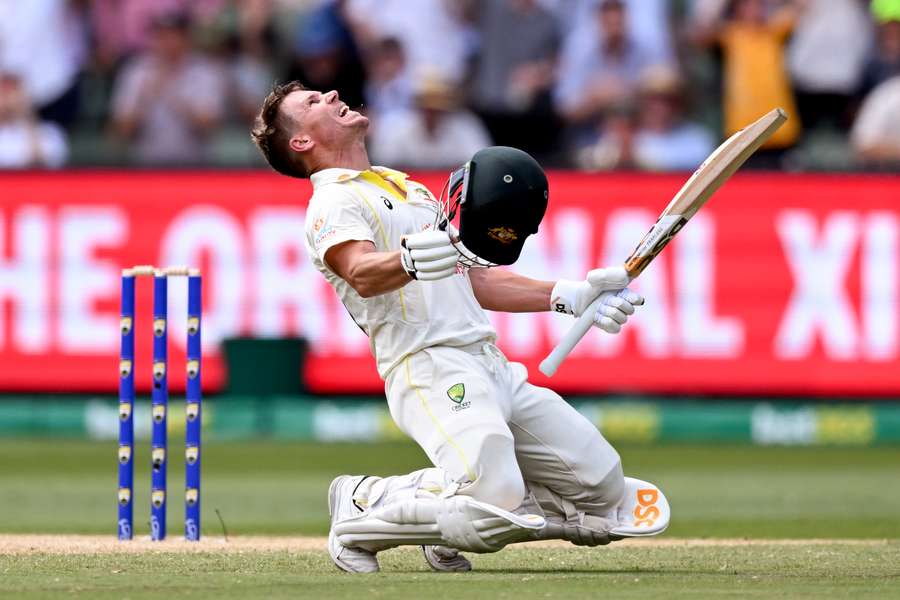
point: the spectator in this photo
(169, 99)
(665, 141)
(885, 63)
(326, 56)
(752, 39)
(648, 24)
(247, 35)
(826, 57)
(656, 137)
(44, 42)
(876, 134)
(607, 75)
(514, 75)
(123, 28)
(25, 141)
(389, 86)
(434, 33)
(612, 146)
(436, 134)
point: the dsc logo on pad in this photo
(646, 512)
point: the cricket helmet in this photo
(501, 195)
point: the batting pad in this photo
(644, 510)
(457, 521)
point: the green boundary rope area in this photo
(355, 420)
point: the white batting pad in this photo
(458, 521)
(644, 510)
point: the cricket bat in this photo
(709, 177)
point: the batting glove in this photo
(428, 255)
(617, 301)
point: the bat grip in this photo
(582, 325)
(568, 342)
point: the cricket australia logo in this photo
(457, 393)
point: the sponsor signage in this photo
(782, 284)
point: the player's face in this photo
(324, 118)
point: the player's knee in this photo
(601, 483)
(504, 490)
(605, 491)
(498, 479)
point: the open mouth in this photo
(344, 110)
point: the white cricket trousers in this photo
(476, 416)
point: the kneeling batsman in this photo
(501, 197)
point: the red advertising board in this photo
(781, 284)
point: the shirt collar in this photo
(391, 174)
(336, 175)
(326, 176)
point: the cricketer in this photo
(512, 461)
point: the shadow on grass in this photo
(500, 571)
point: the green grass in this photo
(766, 571)
(279, 488)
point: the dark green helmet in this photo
(502, 196)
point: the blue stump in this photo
(193, 414)
(159, 408)
(126, 410)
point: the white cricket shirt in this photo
(364, 205)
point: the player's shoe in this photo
(340, 507)
(446, 560)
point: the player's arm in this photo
(427, 256)
(368, 271)
(508, 292)
(505, 291)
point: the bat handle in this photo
(582, 325)
(568, 342)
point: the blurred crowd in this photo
(590, 84)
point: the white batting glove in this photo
(428, 255)
(617, 301)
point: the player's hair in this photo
(272, 132)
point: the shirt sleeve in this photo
(335, 218)
(126, 93)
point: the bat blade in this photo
(709, 177)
